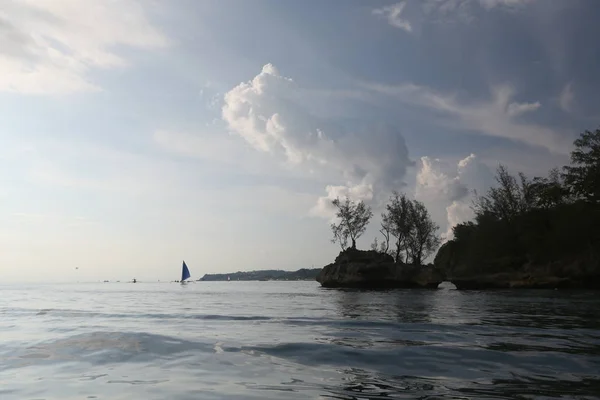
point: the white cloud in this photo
(271, 113)
(446, 189)
(516, 109)
(48, 47)
(492, 117)
(325, 209)
(393, 15)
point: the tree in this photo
(397, 220)
(550, 223)
(423, 239)
(353, 219)
(508, 199)
(551, 191)
(385, 231)
(583, 176)
(340, 235)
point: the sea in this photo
(295, 340)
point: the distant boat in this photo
(185, 273)
(134, 281)
(228, 278)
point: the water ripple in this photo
(293, 340)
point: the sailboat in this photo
(185, 273)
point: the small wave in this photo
(107, 347)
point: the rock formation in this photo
(373, 270)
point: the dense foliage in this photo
(538, 221)
(409, 224)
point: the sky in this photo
(135, 134)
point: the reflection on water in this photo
(394, 305)
(294, 340)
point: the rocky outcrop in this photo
(524, 280)
(508, 273)
(373, 270)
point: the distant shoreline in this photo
(303, 274)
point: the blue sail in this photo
(185, 273)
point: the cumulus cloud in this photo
(491, 118)
(270, 112)
(324, 208)
(48, 47)
(393, 15)
(446, 189)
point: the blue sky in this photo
(135, 134)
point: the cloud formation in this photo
(325, 209)
(515, 109)
(495, 117)
(441, 10)
(446, 189)
(393, 16)
(270, 112)
(48, 47)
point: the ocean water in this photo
(295, 340)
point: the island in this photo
(303, 274)
(526, 233)
(374, 270)
(409, 237)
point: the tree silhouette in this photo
(352, 221)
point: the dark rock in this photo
(373, 270)
(576, 273)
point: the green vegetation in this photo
(523, 224)
(406, 225)
(264, 275)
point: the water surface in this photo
(295, 340)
